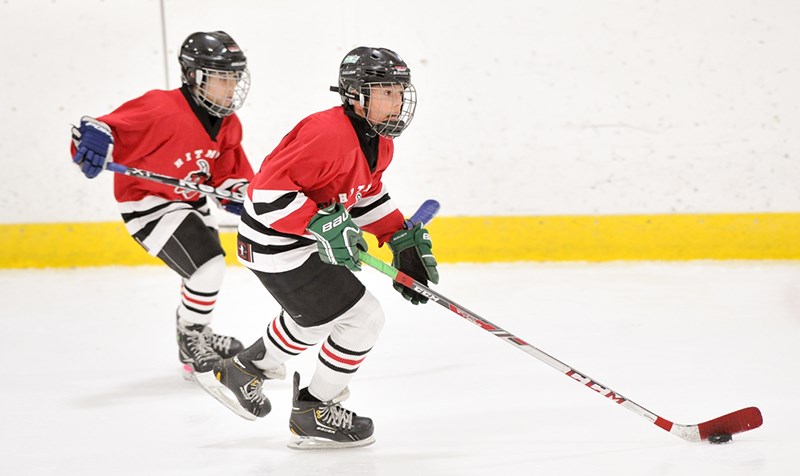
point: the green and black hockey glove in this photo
(413, 256)
(338, 239)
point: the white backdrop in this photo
(526, 108)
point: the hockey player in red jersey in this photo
(191, 133)
(301, 232)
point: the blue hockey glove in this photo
(413, 255)
(339, 239)
(94, 143)
(231, 206)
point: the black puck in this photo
(719, 438)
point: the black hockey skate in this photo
(325, 425)
(225, 346)
(242, 379)
(199, 348)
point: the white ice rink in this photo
(92, 386)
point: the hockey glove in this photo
(413, 256)
(94, 143)
(338, 239)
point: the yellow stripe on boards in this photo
(617, 237)
(68, 245)
(670, 237)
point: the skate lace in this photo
(198, 343)
(252, 391)
(336, 415)
(221, 343)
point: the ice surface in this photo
(92, 385)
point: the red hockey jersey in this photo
(318, 163)
(160, 132)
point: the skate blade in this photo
(305, 443)
(221, 393)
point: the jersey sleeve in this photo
(377, 214)
(133, 129)
(129, 125)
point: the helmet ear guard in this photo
(198, 77)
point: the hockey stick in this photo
(197, 187)
(721, 427)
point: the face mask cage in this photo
(221, 92)
(394, 111)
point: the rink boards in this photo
(667, 237)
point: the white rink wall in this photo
(525, 108)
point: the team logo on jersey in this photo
(198, 154)
(244, 250)
(199, 175)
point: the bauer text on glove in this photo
(339, 240)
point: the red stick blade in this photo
(732, 423)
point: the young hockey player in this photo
(190, 133)
(301, 232)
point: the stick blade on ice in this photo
(736, 422)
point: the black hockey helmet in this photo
(370, 67)
(208, 55)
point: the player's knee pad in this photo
(208, 277)
(358, 328)
(352, 337)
